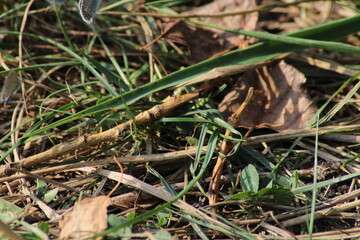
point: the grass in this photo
(94, 104)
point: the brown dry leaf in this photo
(203, 42)
(245, 21)
(87, 218)
(281, 104)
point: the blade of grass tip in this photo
(210, 151)
(198, 154)
(314, 190)
(348, 161)
(139, 72)
(227, 126)
(66, 36)
(182, 120)
(203, 112)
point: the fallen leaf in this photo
(87, 218)
(206, 42)
(281, 104)
(243, 21)
(201, 42)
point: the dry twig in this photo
(225, 149)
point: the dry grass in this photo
(81, 124)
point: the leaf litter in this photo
(281, 103)
(87, 218)
(204, 42)
(273, 202)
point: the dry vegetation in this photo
(226, 119)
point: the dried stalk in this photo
(225, 149)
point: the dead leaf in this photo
(281, 105)
(87, 218)
(205, 42)
(243, 21)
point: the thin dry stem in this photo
(225, 149)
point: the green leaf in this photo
(241, 195)
(163, 235)
(163, 217)
(41, 188)
(44, 226)
(115, 221)
(9, 211)
(283, 181)
(50, 195)
(294, 180)
(272, 191)
(249, 179)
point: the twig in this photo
(225, 149)
(168, 29)
(119, 182)
(127, 159)
(32, 175)
(114, 134)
